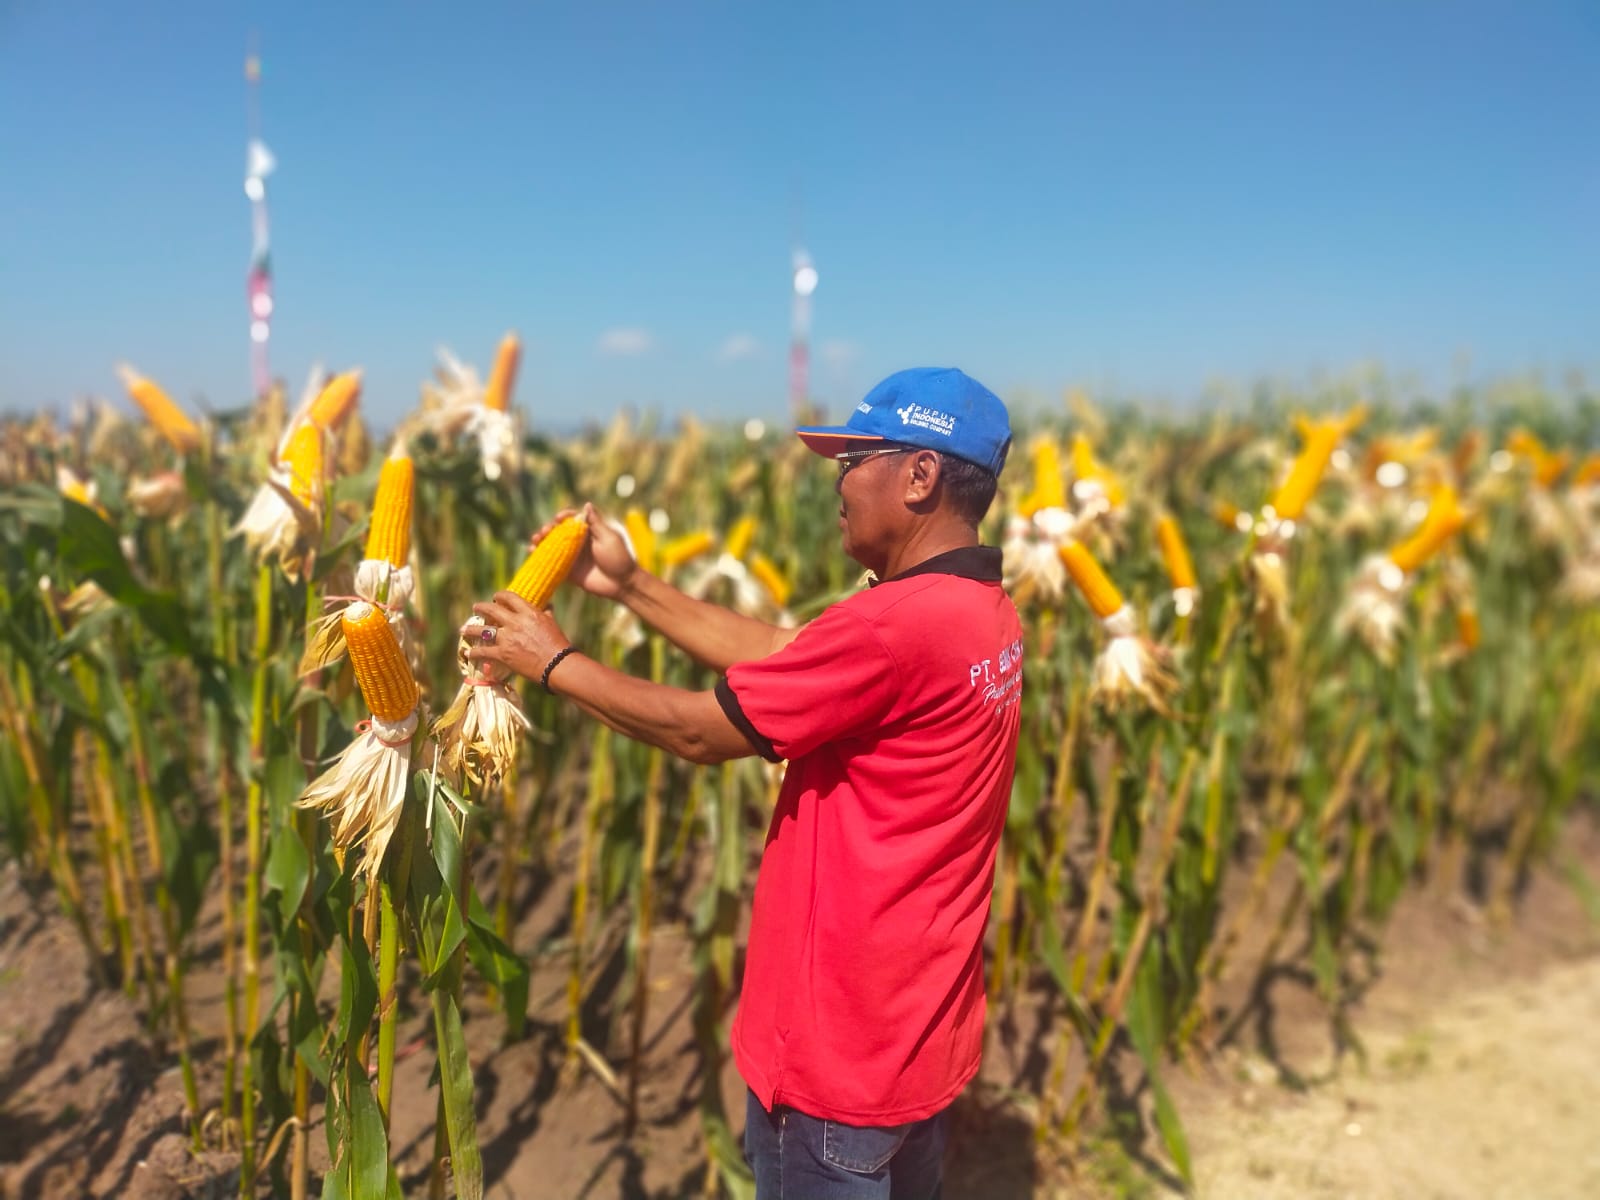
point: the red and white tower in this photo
(804, 282)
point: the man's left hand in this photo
(525, 638)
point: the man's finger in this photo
(514, 603)
(492, 612)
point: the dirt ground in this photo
(1477, 1076)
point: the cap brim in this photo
(829, 440)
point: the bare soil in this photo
(1470, 1068)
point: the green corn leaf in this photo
(434, 879)
(358, 992)
(309, 1047)
(446, 839)
(455, 1083)
(283, 775)
(288, 869)
(501, 966)
(358, 1147)
(1145, 1031)
(726, 1153)
(34, 505)
(59, 685)
(1054, 953)
(332, 558)
(189, 848)
(371, 1176)
(443, 921)
(89, 548)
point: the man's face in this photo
(871, 491)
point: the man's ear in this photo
(923, 480)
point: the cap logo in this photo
(927, 418)
(864, 407)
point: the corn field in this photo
(1280, 668)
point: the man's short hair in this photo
(969, 488)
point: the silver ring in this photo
(487, 636)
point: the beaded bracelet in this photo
(544, 680)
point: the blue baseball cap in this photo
(931, 408)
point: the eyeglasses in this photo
(849, 460)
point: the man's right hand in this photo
(604, 567)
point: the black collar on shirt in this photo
(969, 562)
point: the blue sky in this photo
(1139, 198)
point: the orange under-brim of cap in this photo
(829, 442)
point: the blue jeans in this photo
(800, 1157)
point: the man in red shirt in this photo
(861, 1013)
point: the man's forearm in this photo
(691, 725)
(710, 634)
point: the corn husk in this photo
(377, 582)
(1131, 668)
(1269, 588)
(1580, 581)
(746, 593)
(1374, 610)
(363, 792)
(156, 497)
(457, 407)
(479, 733)
(1031, 551)
(283, 521)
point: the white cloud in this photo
(738, 346)
(625, 343)
(838, 354)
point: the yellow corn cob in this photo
(1547, 466)
(380, 665)
(544, 569)
(497, 395)
(681, 549)
(1588, 472)
(1179, 566)
(1102, 595)
(1048, 491)
(303, 460)
(642, 537)
(1445, 518)
(1467, 627)
(1086, 466)
(74, 489)
(389, 538)
(1551, 467)
(1525, 444)
(337, 400)
(738, 539)
(1408, 449)
(770, 577)
(170, 420)
(1321, 438)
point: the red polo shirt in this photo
(898, 710)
